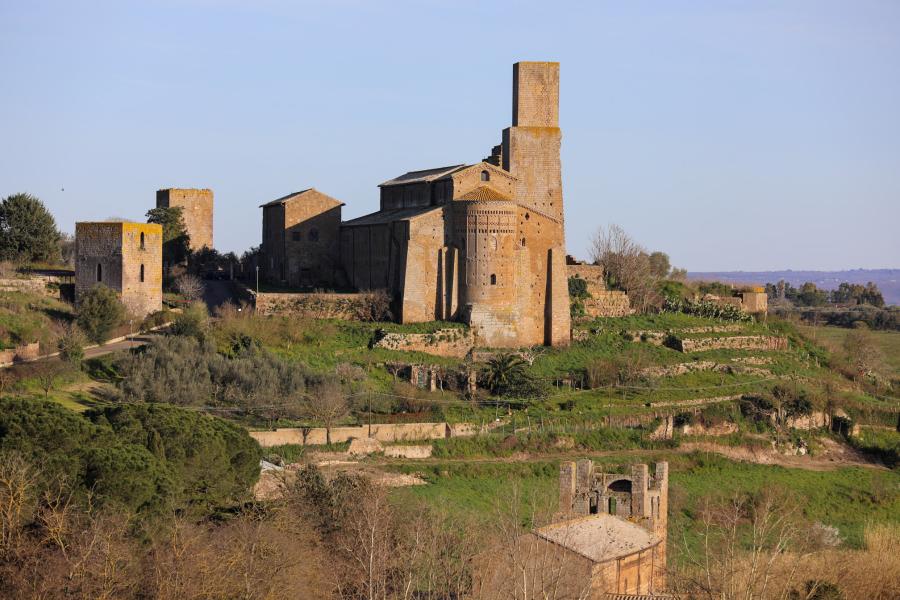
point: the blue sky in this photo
(732, 135)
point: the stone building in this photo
(126, 257)
(617, 520)
(299, 239)
(196, 208)
(481, 243)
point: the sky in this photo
(732, 135)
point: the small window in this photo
(313, 235)
(295, 236)
(485, 176)
(99, 272)
(527, 216)
(493, 279)
(523, 242)
(142, 244)
(142, 271)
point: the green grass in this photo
(27, 318)
(847, 498)
(888, 341)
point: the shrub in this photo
(99, 312)
(71, 345)
(193, 322)
(189, 286)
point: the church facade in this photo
(481, 243)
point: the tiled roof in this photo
(297, 195)
(482, 193)
(599, 537)
(422, 176)
(389, 216)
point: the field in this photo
(847, 498)
(888, 341)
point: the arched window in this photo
(142, 271)
(485, 176)
(142, 243)
(99, 272)
(313, 235)
(493, 279)
(523, 242)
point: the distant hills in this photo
(887, 280)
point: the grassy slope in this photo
(27, 318)
(847, 498)
(889, 341)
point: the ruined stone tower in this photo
(197, 210)
(637, 496)
(126, 257)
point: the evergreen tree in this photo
(176, 242)
(28, 231)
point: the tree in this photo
(27, 230)
(71, 345)
(626, 266)
(99, 312)
(193, 321)
(863, 352)
(326, 404)
(189, 286)
(659, 264)
(504, 372)
(176, 241)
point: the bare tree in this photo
(626, 265)
(17, 490)
(326, 404)
(751, 548)
(190, 286)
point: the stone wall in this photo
(383, 432)
(737, 342)
(27, 285)
(454, 342)
(408, 451)
(20, 354)
(196, 208)
(348, 307)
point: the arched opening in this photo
(523, 242)
(620, 485)
(527, 216)
(99, 272)
(485, 176)
(493, 279)
(142, 271)
(142, 243)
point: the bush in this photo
(71, 345)
(193, 322)
(99, 312)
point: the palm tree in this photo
(503, 371)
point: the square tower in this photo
(125, 257)
(196, 208)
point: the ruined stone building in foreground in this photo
(609, 542)
(481, 243)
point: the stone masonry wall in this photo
(443, 342)
(348, 307)
(383, 432)
(197, 210)
(737, 342)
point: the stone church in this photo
(482, 243)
